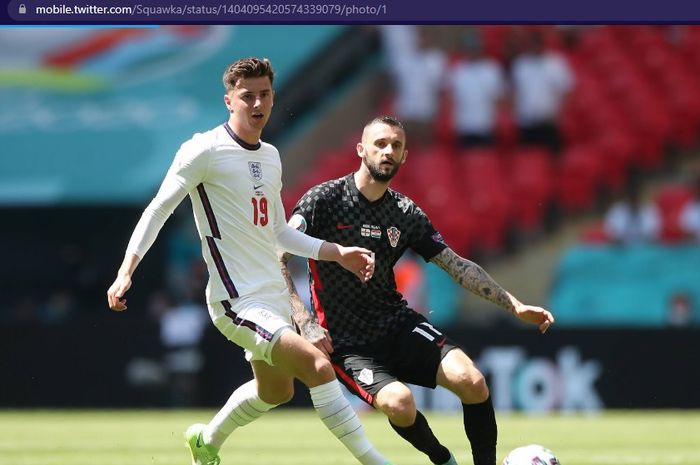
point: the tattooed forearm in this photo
(303, 317)
(473, 278)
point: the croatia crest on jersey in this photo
(393, 233)
(255, 168)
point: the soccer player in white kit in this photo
(234, 182)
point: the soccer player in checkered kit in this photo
(234, 182)
(377, 343)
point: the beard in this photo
(379, 175)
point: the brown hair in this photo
(388, 120)
(247, 68)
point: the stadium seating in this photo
(636, 94)
(485, 188)
(670, 200)
(578, 177)
(531, 186)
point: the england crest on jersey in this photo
(255, 168)
(393, 233)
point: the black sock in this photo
(482, 432)
(422, 438)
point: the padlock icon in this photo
(22, 8)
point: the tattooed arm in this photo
(305, 318)
(472, 277)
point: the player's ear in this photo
(360, 150)
(405, 155)
(227, 101)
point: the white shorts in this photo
(253, 325)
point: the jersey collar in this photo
(240, 141)
(355, 191)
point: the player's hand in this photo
(115, 293)
(319, 337)
(358, 261)
(535, 315)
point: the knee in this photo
(280, 393)
(470, 385)
(324, 369)
(397, 403)
(318, 370)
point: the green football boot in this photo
(202, 454)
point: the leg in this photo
(304, 361)
(256, 329)
(397, 403)
(270, 388)
(376, 373)
(458, 374)
(269, 340)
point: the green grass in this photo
(296, 437)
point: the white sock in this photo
(339, 417)
(243, 407)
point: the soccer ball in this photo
(531, 455)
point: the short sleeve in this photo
(428, 241)
(306, 213)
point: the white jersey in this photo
(235, 192)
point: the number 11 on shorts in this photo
(428, 331)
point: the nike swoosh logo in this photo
(257, 187)
(343, 226)
(441, 342)
(199, 439)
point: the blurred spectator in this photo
(417, 68)
(690, 214)
(59, 307)
(408, 274)
(630, 220)
(181, 330)
(542, 80)
(477, 85)
(680, 311)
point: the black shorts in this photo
(412, 355)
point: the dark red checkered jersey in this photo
(357, 313)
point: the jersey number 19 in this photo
(259, 211)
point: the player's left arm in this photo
(475, 279)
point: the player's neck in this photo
(247, 136)
(371, 189)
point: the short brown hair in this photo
(247, 68)
(388, 120)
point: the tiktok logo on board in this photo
(517, 382)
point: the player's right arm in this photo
(305, 319)
(187, 171)
(115, 293)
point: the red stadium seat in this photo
(578, 176)
(430, 178)
(616, 150)
(482, 185)
(531, 184)
(594, 234)
(670, 200)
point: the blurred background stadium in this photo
(563, 159)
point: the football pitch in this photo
(296, 437)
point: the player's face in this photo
(383, 150)
(250, 103)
